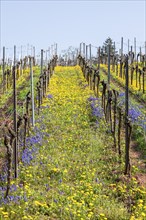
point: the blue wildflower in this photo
(50, 96)
(134, 114)
(121, 94)
(91, 98)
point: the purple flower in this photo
(134, 114)
(91, 98)
(97, 180)
(13, 187)
(96, 109)
(60, 181)
(121, 94)
(50, 96)
(55, 200)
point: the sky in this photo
(68, 23)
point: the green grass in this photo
(23, 87)
(134, 90)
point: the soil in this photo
(137, 161)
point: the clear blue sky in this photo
(41, 23)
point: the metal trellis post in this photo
(32, 93)
(15, 116)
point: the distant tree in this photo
(105, 44)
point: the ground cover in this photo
(69, 169)
(135, 89)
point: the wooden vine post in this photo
(127, 142)
(143, 78)
(99, 58)
(9, 158)
(8, 142)
(115, 116)
(139, 79)
(98, 81)
(117, 67)
(3, 80)
(25, 117)
(119, 130)
(136, 70)
(19, 123)
(91, 80)
(44, 83)
(103, 95)
(28, 99)
(39, 96)
(108, 113)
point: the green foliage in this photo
(107, 42)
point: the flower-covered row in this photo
(67, 168)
